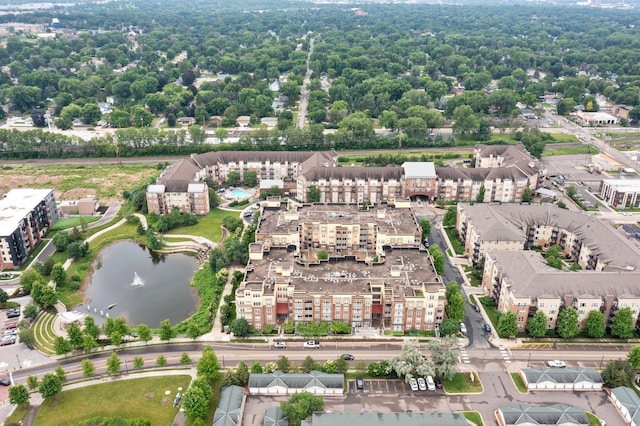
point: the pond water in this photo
(141, 286)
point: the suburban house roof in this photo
(228, 410)
(177, 177)
(296, 380)
(562, 375)
(630, 400)
(419, 169)
(322, 418)
(604, 240)
(515, 156)
(528, 275)
(557, 414)
(275, 417)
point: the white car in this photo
(280, 345)
(422, 384)
(414, 384)
(556, 363)
(311, 344)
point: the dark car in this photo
(487, 328)
(438, 383)
(13, 314)
(359, 383)
(5, 382)
(347, 357)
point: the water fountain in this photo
(137, 281)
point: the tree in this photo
(3, 296)
(144, 332)
(455, 302)
(88, 369)
(410, 362)
(50, 385)
(195, 401)
(308, 364)
(113, 364)
(77, 250)
(480, 196)
(26, 336)
(507, 324)
(341, 365)
(185, 359)
(300, 406)
(44, 295)
(567, 323)
(256, 367)
(250, 178)
(444, 356)
(240, 327)
(425, 225)
(449, 218)
(32, 382)
(622, 326)
(208, 365)
(526, 195)
(29, 277)
(60, 373)
(75, 336)
(594, 326)
(283, 364)
(18, 395)
(438, 258)
(618, 373)
(464, 119)
(161, 361)
(449, 327)
(90, 327)
(537, 325)
(313, 195)
(166, 330)
(138, 362)
(30, 311)
(233, 178)
(61, 346)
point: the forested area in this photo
(385, 65)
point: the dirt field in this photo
(73, 181)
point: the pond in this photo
(130, 281)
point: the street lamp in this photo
(126, 366)
(18, 358)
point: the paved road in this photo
(304, 91)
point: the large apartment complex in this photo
(518, 278)
(339, 262)
(502, 174)
(25, 217)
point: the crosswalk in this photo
(464, 356)
(505, 355)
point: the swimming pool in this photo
(239, 193)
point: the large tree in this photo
(507, 324)
(411, 363)
(208, 365)
(622, 326)
(595, 326)
(300, 406)
(50, 385)
(455, 302)
(18, 395)
(567, 323)
(537, 324)
(196, 399)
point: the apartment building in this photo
(339, 262)
(594, 244)
(178, 186)
(25, 217)
(521, 282)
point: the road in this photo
(304, 90)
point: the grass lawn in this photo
(452, 233)
(490, 309)
(569, 150)
(208, 226)
(125, 398)
(461, 384)
(70, 222)
(18, 414)
(474, 417)
(517, 380)
(593, 420)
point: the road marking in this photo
(464, 356)
(505, 355)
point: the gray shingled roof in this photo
(214, 157)
(296, 380)
(630, 400)
(600, 236)
(275, 417)
(387, 419)
(386, 173)
(562, 375)
(228, 411)
(558, 414)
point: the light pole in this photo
(126, 366)
(18, 358)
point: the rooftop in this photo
(386, 419)
(16, 204)
(414, 169)
(624, 185)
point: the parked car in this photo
(347, 357)
(359, 383)
(5, 382)
(8, 340)
(176, 401)
(438, 383)
(311, 344)
(476, 307)
(11, 332)
(11, 326)
(431, 385)
(414, 384)
(556, 363)
(487, 328)
(13, 314)
(280, 345)
(422, 384)
(463, 328)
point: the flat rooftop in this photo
(624, 185)
(411, 270)
(16, 204)
(388, 219)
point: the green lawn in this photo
(517, 380)
(208, 226)
(474, 416)
(125, 398)
(70, 222)
(452, 233)
(18, 415)
(461, 384)
(490, 309)
(569, 150)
